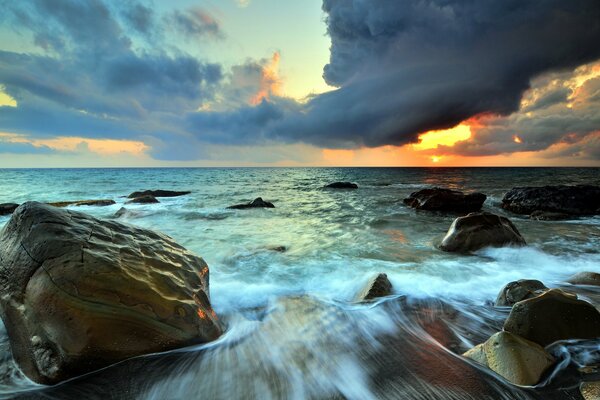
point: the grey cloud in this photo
(194, 23)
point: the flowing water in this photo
(293, 329)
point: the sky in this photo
(135, 83)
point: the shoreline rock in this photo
(517, 291)
(146, 199)
(378, 286)
(585, 278)
(440, 199)
(478, 230)
(256, 203)
(78, 293)
(96, 203)
(342, 185)
(158, 193)
(8, 208)
(571, 200)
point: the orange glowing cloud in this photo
(445, 137)
(270, 83)
(6, 100)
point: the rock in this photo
(590, 390)
(257, 203)
(554, 315)
(572, 200)
(342, 185)
(549, 216)
(438, 199)
(478, 230)
(157, 193)
(97, 203)
(146, 199)
(8, 208)
(278, 249)
(519, 290)
(585, 278)
(78, 293)
(378, 286)
(519, 361)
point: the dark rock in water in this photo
(378, 286)
(257, 203)
(554, 315)
(78, 293)
(146, 199)
(439, 199)
(585, 278)
(549, 216)
(518, 360)
(519, 290)
(121, 212)
(279, 249)
(157, 193)
(342, 185)
(97, 203)
(478, 230)
(573, 200)
(8, 208)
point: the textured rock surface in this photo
(517, 360)
(378, 286)
(574, 200)
(146, 199)
(257, 203)
(8, 208)
(554, 315)
(590, 390)
(97, 203)
(438, 199)
(585, 278)
(549, 216)
(78, 293)
(158, 193)
(342, 185)
(478, 230)
(519, 290)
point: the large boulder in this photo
(552, 316)
(158, 193)
(256, 203)
(78, 293)
(8, 208)
(146, 199)
(378, 286)
(585, 278)
(477, 230)
(439, 199)
(342, 185)
(519, 290)
(573, 200)
(519, 361)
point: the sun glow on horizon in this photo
(444, 137)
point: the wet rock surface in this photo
(572, 200)
(256, 203)
(145, 199)
(158, 193)
(378, 286)
(96, 203)
(585, 278)
(8, 208)
(78, 293)
(342, 185)
(479, 230)
(440, 199)
(519, 290)
(552, 316)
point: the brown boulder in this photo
(97, 203)
(478, 230)
(439, 199)
(378, 286)
(517, 360)
(554, 315)
(519, 290)
(585, 278)
(78, 293)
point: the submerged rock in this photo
(8, 208)
(549, 216)
(519, 361)
(572, 200)
(78, 293)
(585, 278)
(378, 286)
(158, 193)
(554, 315)
(478, 230)
(146, 199)
(342, 185)
(257, 203)
(97, 203)
(519, 290)
(439, 199)
(590, 390)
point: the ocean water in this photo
(335, 240)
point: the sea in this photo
(285, 280)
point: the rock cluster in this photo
(553, 202)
